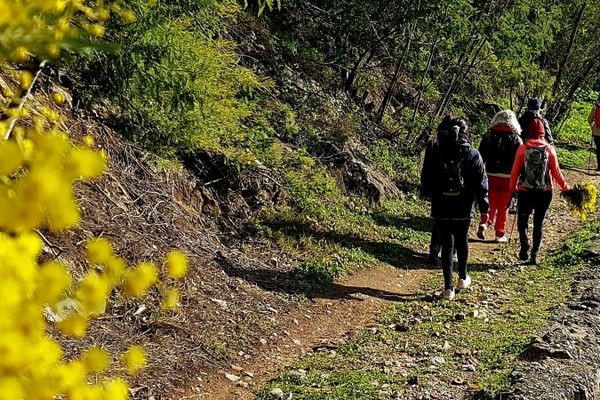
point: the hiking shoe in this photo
(481, 231)
(501, 239)
(448, 294)
(533, 259)
(523, 253)
(432, 260)
(464, 283)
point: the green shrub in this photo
(176, 84)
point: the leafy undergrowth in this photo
(574, 138)
(333, 239)
(426, 347)
(573, 157)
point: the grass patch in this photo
(574, 137)
(427, 344)
(332, 239)
(573, 157)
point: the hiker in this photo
(435, 244)
(534, 106)
(498, 149)
(535, 165)
(454, 175)
(594, 120)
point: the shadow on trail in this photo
(589, 172)
(391, 253)
(415, 222)
(316, 280)
(382, 294)
(298, 282)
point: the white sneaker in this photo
(501, 239)
(448, 294)
(464, 283)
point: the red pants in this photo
(499, 201)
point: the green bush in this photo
(176, 84)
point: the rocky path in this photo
(355, 302)
(319, 323)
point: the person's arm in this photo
(548, 132)
(426, 172)
(516, 169)
(592, 116)
(484, 147)
(480, 182)
(555, 170)
(523, 121)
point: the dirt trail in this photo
(323, 322)
(358, 300)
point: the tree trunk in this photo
(457, 79)
(576, 85)
(354, 72)
(564, 60)
(423, 76)
(394, 81)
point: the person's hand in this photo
(485, 217)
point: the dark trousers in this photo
(536, 202)
(454, 235)
(436, 241)
(597, 143)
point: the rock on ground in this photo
(564, 363)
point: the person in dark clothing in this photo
(498, 149)
(594, 120)
(534, 106)
(435, 244)
(535, 165)
(454, 175)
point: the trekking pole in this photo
(512, 228)
(590, 150)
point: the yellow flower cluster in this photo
(37, 173)
(38, 168)
(582, 199)
(45, 27)
(42, 194)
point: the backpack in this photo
(535, 175)
(452, 181)
(597, 117)
(501, 154)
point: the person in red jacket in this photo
(535, 165)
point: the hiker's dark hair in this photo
(462, 125)
(452, 130)
(446, 123)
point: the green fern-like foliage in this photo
(175, 83)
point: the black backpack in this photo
(452, 181)
(501, 154)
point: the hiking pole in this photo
(590, 149)
(512, 228)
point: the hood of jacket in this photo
(506, 118)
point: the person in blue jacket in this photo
(454, 178)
